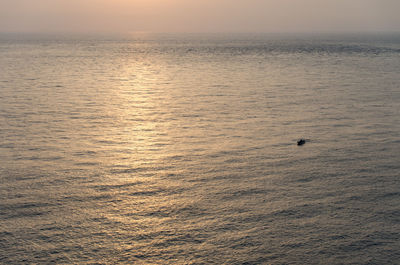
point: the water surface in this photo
(182, 150)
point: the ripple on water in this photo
(117, 151)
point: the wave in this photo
(291, 48)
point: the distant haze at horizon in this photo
(47, 16)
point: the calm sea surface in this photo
(182, 150)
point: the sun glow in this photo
(198, 16)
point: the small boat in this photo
(301, 142)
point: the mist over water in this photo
(181, 149)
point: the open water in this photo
(167, 149)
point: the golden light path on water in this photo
(146, 131)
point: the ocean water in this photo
(181, 149)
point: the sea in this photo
(182, 149)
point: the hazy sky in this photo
(199, 15)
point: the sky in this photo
(199, 15)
